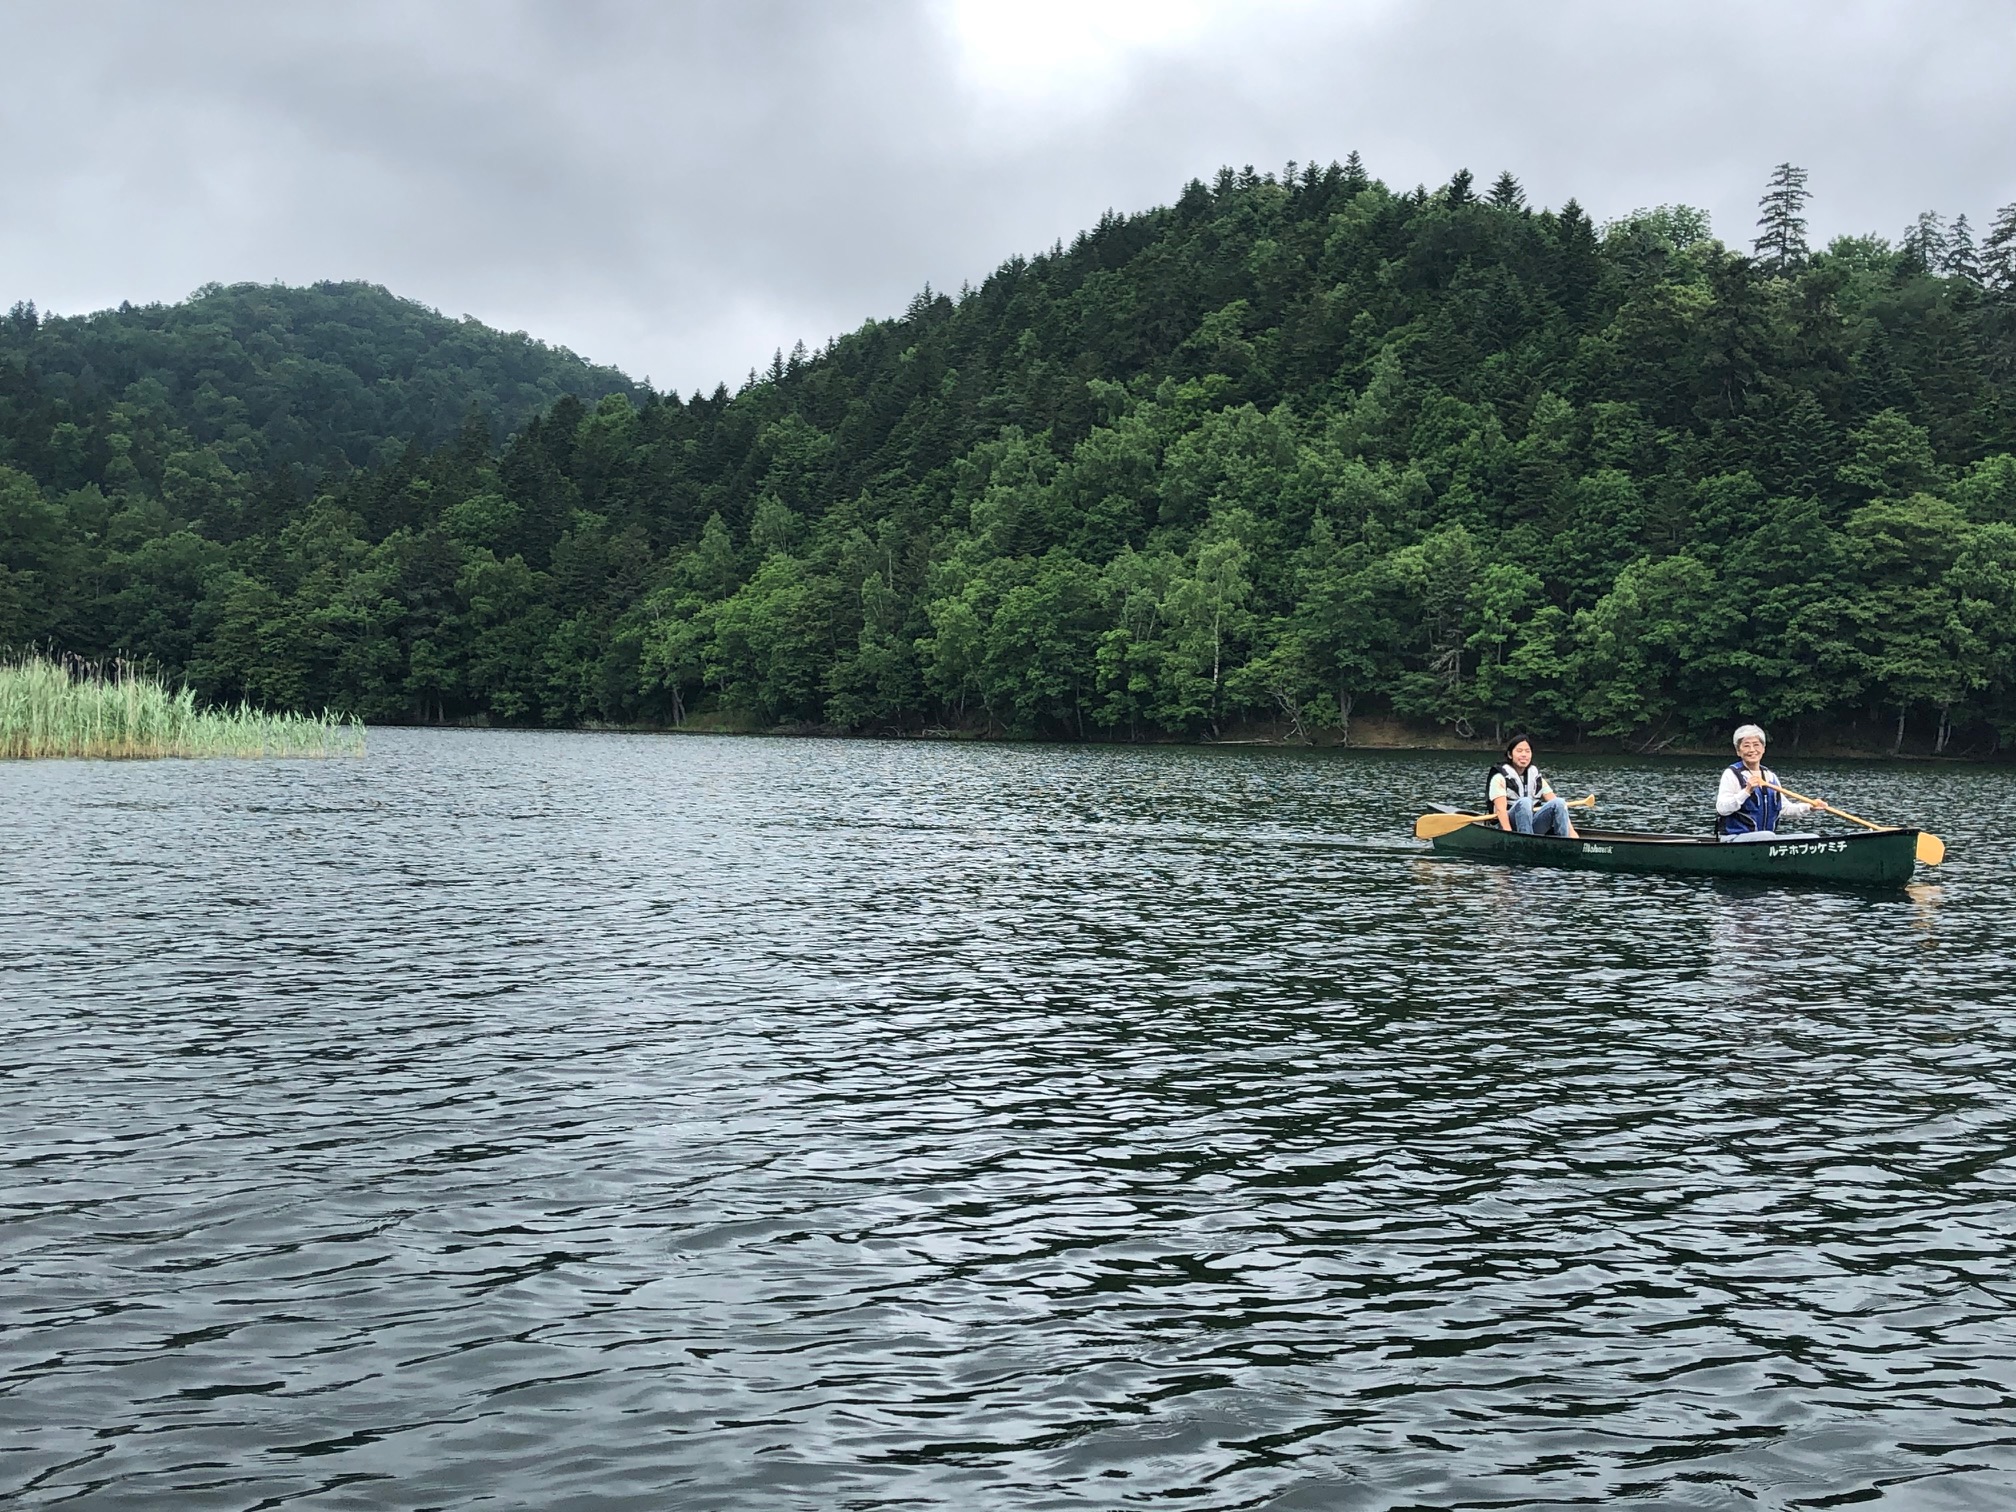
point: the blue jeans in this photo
(1549, 818)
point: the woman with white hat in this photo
(1749, 804)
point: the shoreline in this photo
(1366, 735)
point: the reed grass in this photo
(65, 708)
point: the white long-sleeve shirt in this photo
(1729, 797)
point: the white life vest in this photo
(1531, 785)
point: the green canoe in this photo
(1879, 858)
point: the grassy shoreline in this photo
(58, 709)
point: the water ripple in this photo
(596, 1121)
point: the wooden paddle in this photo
(1931, 849)
(1428, 826)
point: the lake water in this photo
(577, 1121)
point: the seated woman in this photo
(1750, 804)
(1522, 798)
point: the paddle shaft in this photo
(1931, 849)
(1842, 813)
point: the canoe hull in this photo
(1882, 858)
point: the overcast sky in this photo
(679, 189)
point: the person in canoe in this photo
(1520, 796)
(1750, 805)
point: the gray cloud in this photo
(681, 189)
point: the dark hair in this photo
(1520, 739)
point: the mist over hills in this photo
(1290, 450)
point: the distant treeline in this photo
(1294, 448)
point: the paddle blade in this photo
(1428, 826)
(1931, 849)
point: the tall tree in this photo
(1924, 242)
(1998, 252)
(1781, 220)
(1963, 259)
(1506, 193)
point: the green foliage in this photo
(1675, 228)
(1291, 451)
(1781, 225)
(49, 709)
(198, 397)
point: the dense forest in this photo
(1294, 450)
(265, 377)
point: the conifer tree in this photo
(1507, 194)
(1356, 179)
(1998, 252)
(1575, 261)
(1962, 261)
(1781, 246)
(1924, 242)
(1458, 192)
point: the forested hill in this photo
(1290, 450)
(265, 376)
